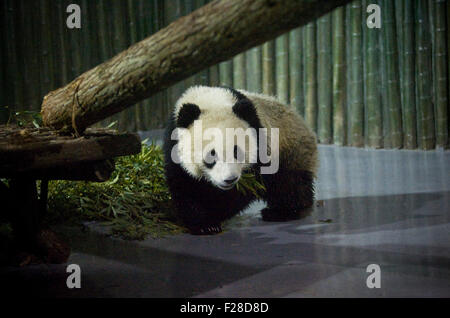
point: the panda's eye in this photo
(238, 154)
(210, 159)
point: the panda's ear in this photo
(187, 114)
(245, 110)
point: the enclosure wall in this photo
(382, 87)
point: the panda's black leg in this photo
(289, 196)
(197, 219)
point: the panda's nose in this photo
(230, 180)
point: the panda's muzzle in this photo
(229, 183)
(231, 180)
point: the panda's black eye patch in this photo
(238, 153)
(210, 159)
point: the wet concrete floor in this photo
(384, 207)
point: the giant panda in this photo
(202, 179)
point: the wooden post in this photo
(209, 35)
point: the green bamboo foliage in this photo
(339, 82)
(355, 84)
(282, 67)
(392, 73)
(253, 70)
(408, 78)
(324, 82)
(295, 70)
(372, 92)
(425, 116)
(268, 66)
(310, 75)
(440, 76)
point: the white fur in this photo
(216, 115)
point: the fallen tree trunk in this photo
(207, 36)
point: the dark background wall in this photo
(386, 87)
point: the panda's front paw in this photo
(207, 230)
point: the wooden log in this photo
(209, 35)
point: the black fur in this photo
(203, 207)
(289, 195)
(187, 114)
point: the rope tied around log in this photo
(75, 98)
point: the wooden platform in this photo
(30, 154)
(41, 153)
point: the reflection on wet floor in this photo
(383, 207)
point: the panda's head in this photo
(216, 134)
